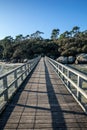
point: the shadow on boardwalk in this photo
(12, 104)
(5, 115)
(58, 121)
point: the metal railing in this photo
(12, 80)
(75, 81)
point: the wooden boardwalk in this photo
(43, 103)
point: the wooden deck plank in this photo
(43, 103)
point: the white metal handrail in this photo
(11, 81)
(79, 93)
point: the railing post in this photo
(22, 74)
(25, 70)
(28, 68)
(62, 71)
(54, 66)
(33, 64)
(5, 85)
(79, 84)
(68, 75)
(15, 77)
(60, 67)
(57, 68)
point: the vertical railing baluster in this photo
(57, 68)
(25, 70)
(32, 63)
(68, 75)
(62, 69)
(5, 85)
(28, 67)
(22, 74)
(79, 84)
(15, 77)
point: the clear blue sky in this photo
(27, 16)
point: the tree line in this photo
(69, 43)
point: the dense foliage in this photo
(70, 43)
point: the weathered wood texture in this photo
(43, 103)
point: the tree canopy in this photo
(69, 43)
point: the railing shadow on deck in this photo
(58, 121)
(4, 116)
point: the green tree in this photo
(54, 34)
(1, 51)
(36, 35)
(75, 30)
(7, 43)
(27, 37)
(67, 34)
(19, 38)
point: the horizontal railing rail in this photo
(75, 81)
(11, 81)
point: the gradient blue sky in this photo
(27, 16)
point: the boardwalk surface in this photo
(43, 103)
